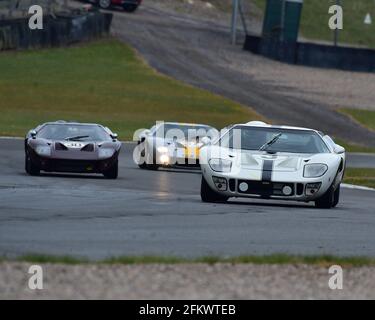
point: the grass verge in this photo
(359, 176)
(101, 82)
(276, 259)
(105, 82)
(364, 117)
(350, 147)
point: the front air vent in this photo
(60, 147)
(88, 148)
(232, 185)
(300, 188)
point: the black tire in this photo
(113, 172)
(153, 167)
(336, 197)
(327, 201)
(146, 166)
(30, 167)
(143, 165)
(209, 195)
(142, 155)
(26, 164)
(104, 4)
(130, 7)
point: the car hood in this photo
(281, 162)
(179, 143)
(75, 150)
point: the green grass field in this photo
(359, 176)
(314, 21)
(364, 117)
(101, 82)
(350, 147)
(105, 82)
(275, 259)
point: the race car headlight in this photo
(162, 149)
(106, 153)
(314, 170)
(44, 151)
(220, 165)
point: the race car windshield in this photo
(73, 132)
(183, 132)
(290, 141)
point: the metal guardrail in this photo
(60, 29)
(64, 23)
(313, 55)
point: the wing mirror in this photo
(114, 136)
(33, 134)
(206, 140)
(339, 149)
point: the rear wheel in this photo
(329, 200)
(30, 167)
(104, 4)
(130, 7)
(113, 172)
(209, 195)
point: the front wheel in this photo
(336, 197)
(130, 7)
(113, 172)
(30, 167)
(330, 199)
(209, 195)
(146, 165)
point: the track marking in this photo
(11, 138)
(354, 187)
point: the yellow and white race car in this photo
(172, 144)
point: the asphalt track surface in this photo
(196, 51)
(160, 213)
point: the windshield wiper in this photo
(271, 142)
(76, 138)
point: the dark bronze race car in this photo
(72, 147)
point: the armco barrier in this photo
(313, 55)
(63, 29)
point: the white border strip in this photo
(11, 138)
(352, 186)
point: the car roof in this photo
(186, 124)
(72, 122)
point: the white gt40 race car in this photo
(258, 160)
